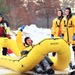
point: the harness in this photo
(66, 25)
(58, 25)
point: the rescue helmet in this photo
(26, 39)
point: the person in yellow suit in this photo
(45, 63)
(56, 24)
(68, 27)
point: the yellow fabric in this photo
(19, 41)
(37, 53)
(69, 30)
(55, 29)
(10, 43)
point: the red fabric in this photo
(2, 31)
(9, 51)
(59, 32)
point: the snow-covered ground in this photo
(36, 34)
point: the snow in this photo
(36, 34)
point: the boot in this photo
(39, 70)
(4, 52)
(49, 70)
(70, 64)
(47, 67)
(73, 67)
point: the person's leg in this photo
(46, 66)
(4, 52)
(38, 69)
(49, 61)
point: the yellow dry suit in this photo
(68, 29)
(56, 27)
(20, 43)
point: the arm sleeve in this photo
(62, 26)
(53, 29)
(19, 41)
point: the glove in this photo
(62, 36)
(21, 29)
(24, 52)
(52, 35)
(73, 37)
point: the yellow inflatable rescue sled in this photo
(37, 53)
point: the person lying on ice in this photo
(45, 65)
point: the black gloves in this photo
(52, 35)
(24, 52)
(62, 36)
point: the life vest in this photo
(2, 31)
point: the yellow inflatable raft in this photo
(37, 53)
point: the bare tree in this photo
(27, 11)
(47, 9)
(13, 15)
(3, 7)
(68, 3)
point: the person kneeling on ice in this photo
(45, 65)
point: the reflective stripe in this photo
(8, 30)
(68, 26)
(5, 25)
